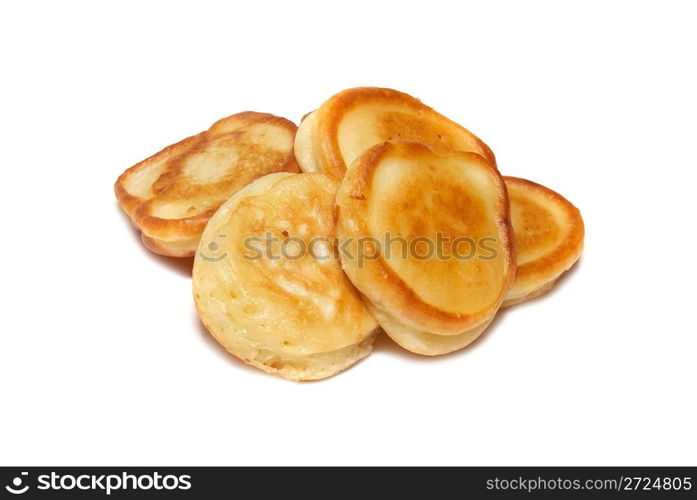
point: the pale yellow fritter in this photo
(291, 312)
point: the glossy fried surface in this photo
(404, 191)
(354, 120)
(268, 283)
(548, 233)
(171, 195)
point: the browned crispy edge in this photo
(161, 247)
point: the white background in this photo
(102, 358)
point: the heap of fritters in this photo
(401, 219)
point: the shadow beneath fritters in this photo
(383, 343)
(180, 265)
(220, 351)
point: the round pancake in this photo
(286, 311)
(426, 238)
(548, 232)
(347, 124)
(171, 195)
